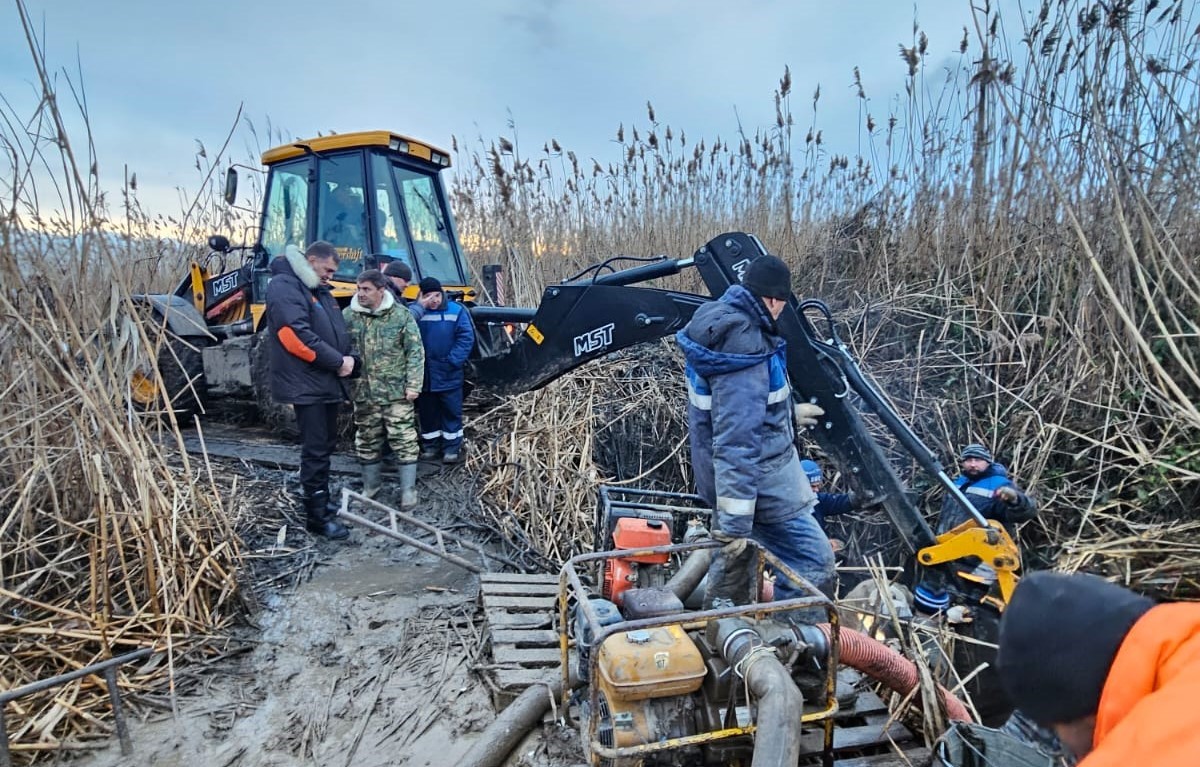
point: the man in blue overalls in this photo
(449, 336)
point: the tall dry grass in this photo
(111, 537)
(1014, 252)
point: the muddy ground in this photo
(364, 652)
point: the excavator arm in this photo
(582, 320)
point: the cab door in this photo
(415, 222)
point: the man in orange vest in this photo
(1111, 673)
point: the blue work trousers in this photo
(802, 545)
(440, 416)
(799, 543)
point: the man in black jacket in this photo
(310, 362)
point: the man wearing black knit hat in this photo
(988, 487)
(399, 274)
(1112, 674)
(449, 336)
(742, 438)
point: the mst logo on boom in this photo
(740, 269)
(594, 340)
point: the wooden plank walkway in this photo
(520, 612)
(862, 728)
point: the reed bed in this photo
(1012, 254)
(545, 452)
(111, 538)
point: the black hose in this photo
(500, 737)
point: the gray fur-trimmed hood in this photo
(299, 265)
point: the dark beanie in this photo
(398, 269)
(768, 277)
(1058, 639)
(975, 450)
(430, 285)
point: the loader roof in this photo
(358, 140)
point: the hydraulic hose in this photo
(880, 662)
(777, 737)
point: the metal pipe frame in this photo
(393, 532)
(612, 497)
(569, 584)
(108, 668)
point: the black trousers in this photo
(318, 438)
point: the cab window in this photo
(429, 226)
(390, 231)
(342, 210)
(285, 213)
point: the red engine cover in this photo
(633, 533)
(618, 578)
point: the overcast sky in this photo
(161, 74)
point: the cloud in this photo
(161, 75)
(534, 20)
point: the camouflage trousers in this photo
(394, 423)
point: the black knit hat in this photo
(430, 285)
(768, 277)
(975, 450)
(1058, 639)
(398, 269)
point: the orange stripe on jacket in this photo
(294, 345)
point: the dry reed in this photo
(111, 537)
(1012, 254)
(545, 452)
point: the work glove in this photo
(733, 547)
(808, 413)
(859, 502)
(1007, 493)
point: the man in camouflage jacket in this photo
(386, 334)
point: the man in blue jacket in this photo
(828, 504)
(741, 434)
(309, 349)
(449, 336)
(989, 489)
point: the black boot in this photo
(320, 517)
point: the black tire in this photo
(279, 417)
(181, 373)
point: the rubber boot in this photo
(372, 479)
(730, 579)
(319, 520)
(430, 452)
(408, 485)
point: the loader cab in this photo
(375, 196)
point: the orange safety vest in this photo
(1148, 712)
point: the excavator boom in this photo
(584, 319)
